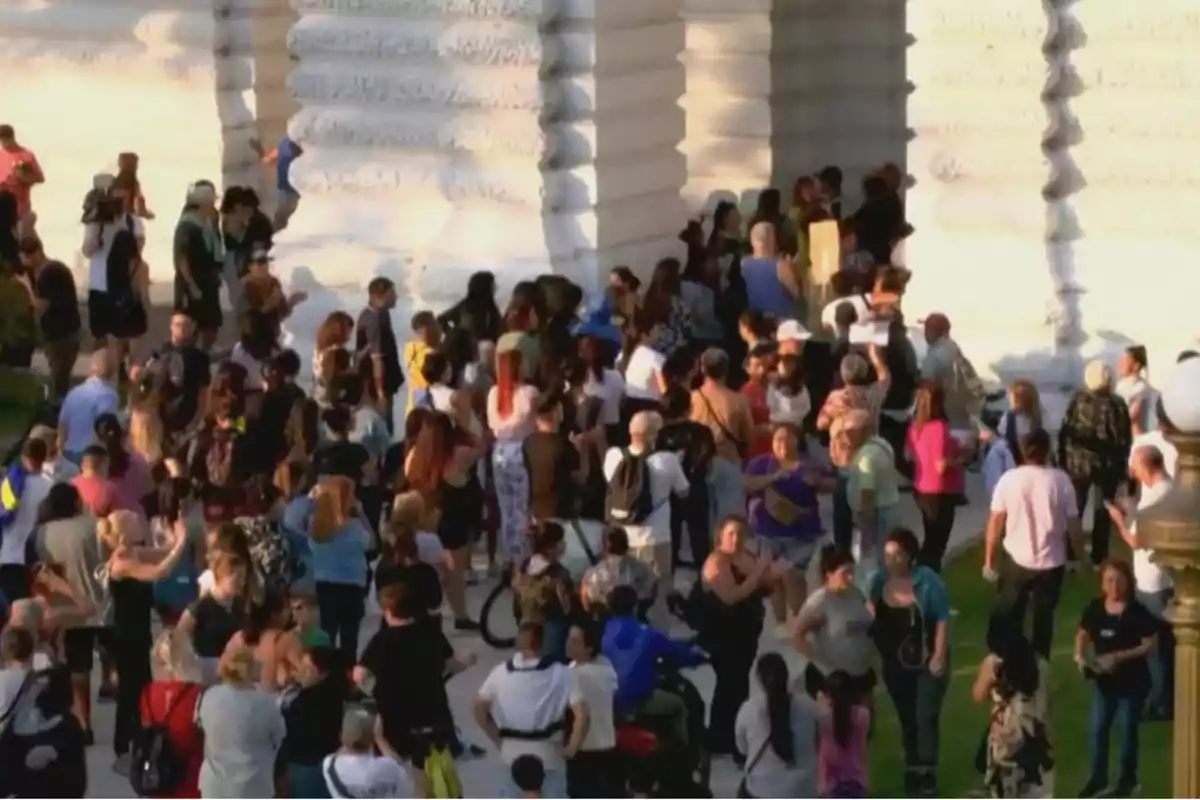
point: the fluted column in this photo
(172, 80)
(443, 137)
(1136, 155)
(781, 88)
(981, 251)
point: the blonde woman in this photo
(340, 541)
(1024, 415)
(277, 650)
(243, 730)
(132, 570)
(228, 591)
(146, 426)
(169, 702)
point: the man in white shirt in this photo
(355, 771)
(522, 707)
(14, 573)
(56, 468)
(109, 219)
(650, 539)
(1154, 589)
(1033, 515)
(84, 404)
(1133, 388)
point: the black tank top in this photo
(215, 624)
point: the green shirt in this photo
(315, 637)
(873, 468)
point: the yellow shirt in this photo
(414, 364)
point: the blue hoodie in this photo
(634, 650)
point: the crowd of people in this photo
(212, 524)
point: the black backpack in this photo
(154, 767)
(628, 500)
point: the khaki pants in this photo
(658, 557)
(60, 356)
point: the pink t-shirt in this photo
(99, 495)
(837, 763)
(934, 443)
(1038, 504)
(133, 485)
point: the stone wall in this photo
(981, 251)
(443, 137)
(183, 83)
(780, 88)
(1134, 139)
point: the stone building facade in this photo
(1051, 146)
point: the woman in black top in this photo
(313, 716)
(132, 571)
(696, 447)
(1115, 636)
(400, 561)
(339, 456)
(477, 313)
(222, 610)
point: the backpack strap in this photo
(16, 701)
(196, 710)
(335, 780)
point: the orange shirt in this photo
(760, 414)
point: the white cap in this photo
(791, 331)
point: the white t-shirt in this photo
(365, 776)
(206, 582)
(1159, 442)
(1135, 389)
(98, 261)
(787, 407)
(16, 534)
(1038, 504)
(610, 391)
(595, 686)
(1149, 576)
(529, 699)
(829, 312)
(666, 479)
(641, 381)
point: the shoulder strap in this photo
(583, 542)
(762, 750)
(176, 702)
(335, 780)
(196, 710)
(12, 707)
(720, 423)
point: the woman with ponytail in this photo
(340, 539)
(511, 407)
(776, 732)
(228, 591)
(132, 570)
(128, 472)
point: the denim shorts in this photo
(797, 552)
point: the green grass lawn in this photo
(20, 392)
(963, 720)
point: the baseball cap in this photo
(791, 330)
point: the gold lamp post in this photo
(1172, 529)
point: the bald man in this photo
(1154, 590)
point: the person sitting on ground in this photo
(634, 649)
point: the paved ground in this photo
(480, 776)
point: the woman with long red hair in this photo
(439, 468)
(511, 406)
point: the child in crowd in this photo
(427, 335)
(842, 723)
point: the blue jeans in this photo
(554, 786)
(307, 780)
(1126, 713)
(727, 491)
(1162, 658)
(870, 544)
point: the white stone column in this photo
(172, 81)
(781, 88)
(980, 252)
(1136, 154)
(443, 137)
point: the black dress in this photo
(131, 603)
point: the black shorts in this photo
(205, 310)
(102, 315)
(79, 644)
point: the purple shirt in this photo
(791, 487)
